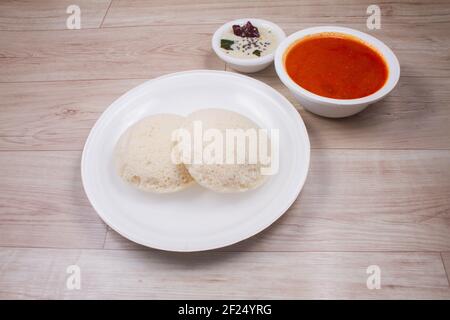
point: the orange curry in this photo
(336, 66)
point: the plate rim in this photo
(238, 237)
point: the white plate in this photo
(194, 219)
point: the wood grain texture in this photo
(43, 190)
(59, 115)
(112, 274)
(136, 52)
(43, 203)
(54, 115)
(49, 14)
(141, 12)
(415, 115)
(361, 200)
(112, 53)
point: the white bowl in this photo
(336, 108)
(246, 65)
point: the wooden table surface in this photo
(378, 190)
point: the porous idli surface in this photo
(222, 177)
(143, 155)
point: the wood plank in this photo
(413, 116)
(42, 193)
(113, 53)
(54, 115)
(41, 274)
(49, 14)
(59, 115)
(367, 200)
(158, 12)
(360, 200)
(43, 203)
(136, 52)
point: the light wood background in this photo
(378, 192)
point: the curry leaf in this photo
(226, 44)
(257, 53)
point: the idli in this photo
(218, 138)
(143, 155)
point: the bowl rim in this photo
(279, 33)
(389, 57)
